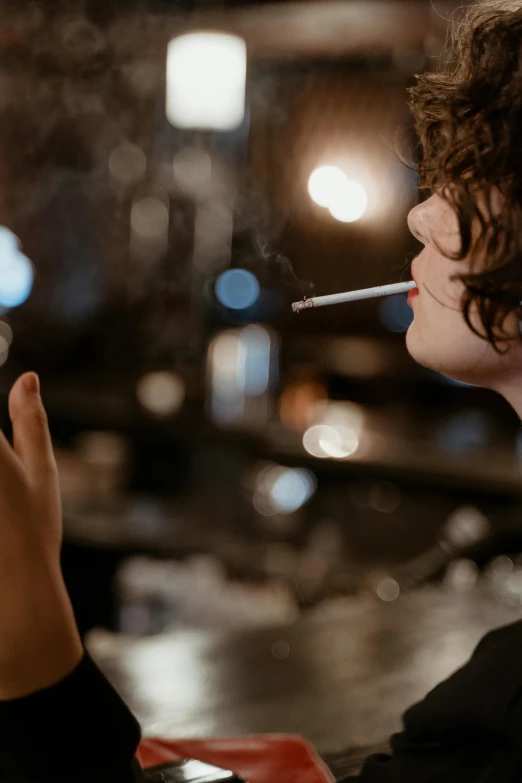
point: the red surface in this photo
(262, 758)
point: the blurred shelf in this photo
(487, 469)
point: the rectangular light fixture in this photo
(206, 80)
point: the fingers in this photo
(31, 438)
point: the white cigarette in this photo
(352, 296)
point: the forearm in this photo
(60, 719)
(39, 640)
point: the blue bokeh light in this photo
(9, 243)
(237, 289)
(395, 314)
(464, 432)
(16, 280)
(16, 271)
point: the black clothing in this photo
(467, 730)
(77, 731)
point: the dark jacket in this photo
(467, 730)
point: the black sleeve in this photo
(468, 728)
(77, 731)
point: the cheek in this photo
(437, 283)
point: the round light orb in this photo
(291, 489)
(16, 279)
(237, 289)
(4, 350)
(501, 565)
(466, 526)
(323, 441)
(350, 203)
(462, 575)
(127, 164)
(326, 185)
(150, 217)
(6, 334)
(161, 393)
(280, 650)
(388, 589)
(9, 242)
(385, 497)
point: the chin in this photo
(432, 357)
(417, 349)
(450, 363)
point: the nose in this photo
(416, 223)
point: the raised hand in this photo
(39, 641)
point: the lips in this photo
(413, 293)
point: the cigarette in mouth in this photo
(352, 296)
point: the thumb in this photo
(31, 438)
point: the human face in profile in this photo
(439, 337)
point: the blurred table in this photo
(341, 677)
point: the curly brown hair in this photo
(468, 116)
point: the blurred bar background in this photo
(178, 173)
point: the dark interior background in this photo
(433, 491)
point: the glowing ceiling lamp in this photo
(350, 204)
(329, 187)
(326, 185)
(206, 81)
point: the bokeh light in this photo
(501, 566)
(388, 589)
(16, 278)
(127, 164)
(325, 440)
(385, 497)
(339, 414)
(280, 650)
(465, 432)
(350, 204)
(237, 289)
(242, 367)
(161, 393)
(258, 345)
(226, 372)
(395, 314)
(206, 81)
(9, 242)
(280, 490)
(327, 185)
(150, 217)
(461, 575)
(6, 333)
(465, 526)
(4, 350)
(291, 488)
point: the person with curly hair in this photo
(467, 325)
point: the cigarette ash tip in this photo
(298, 306)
